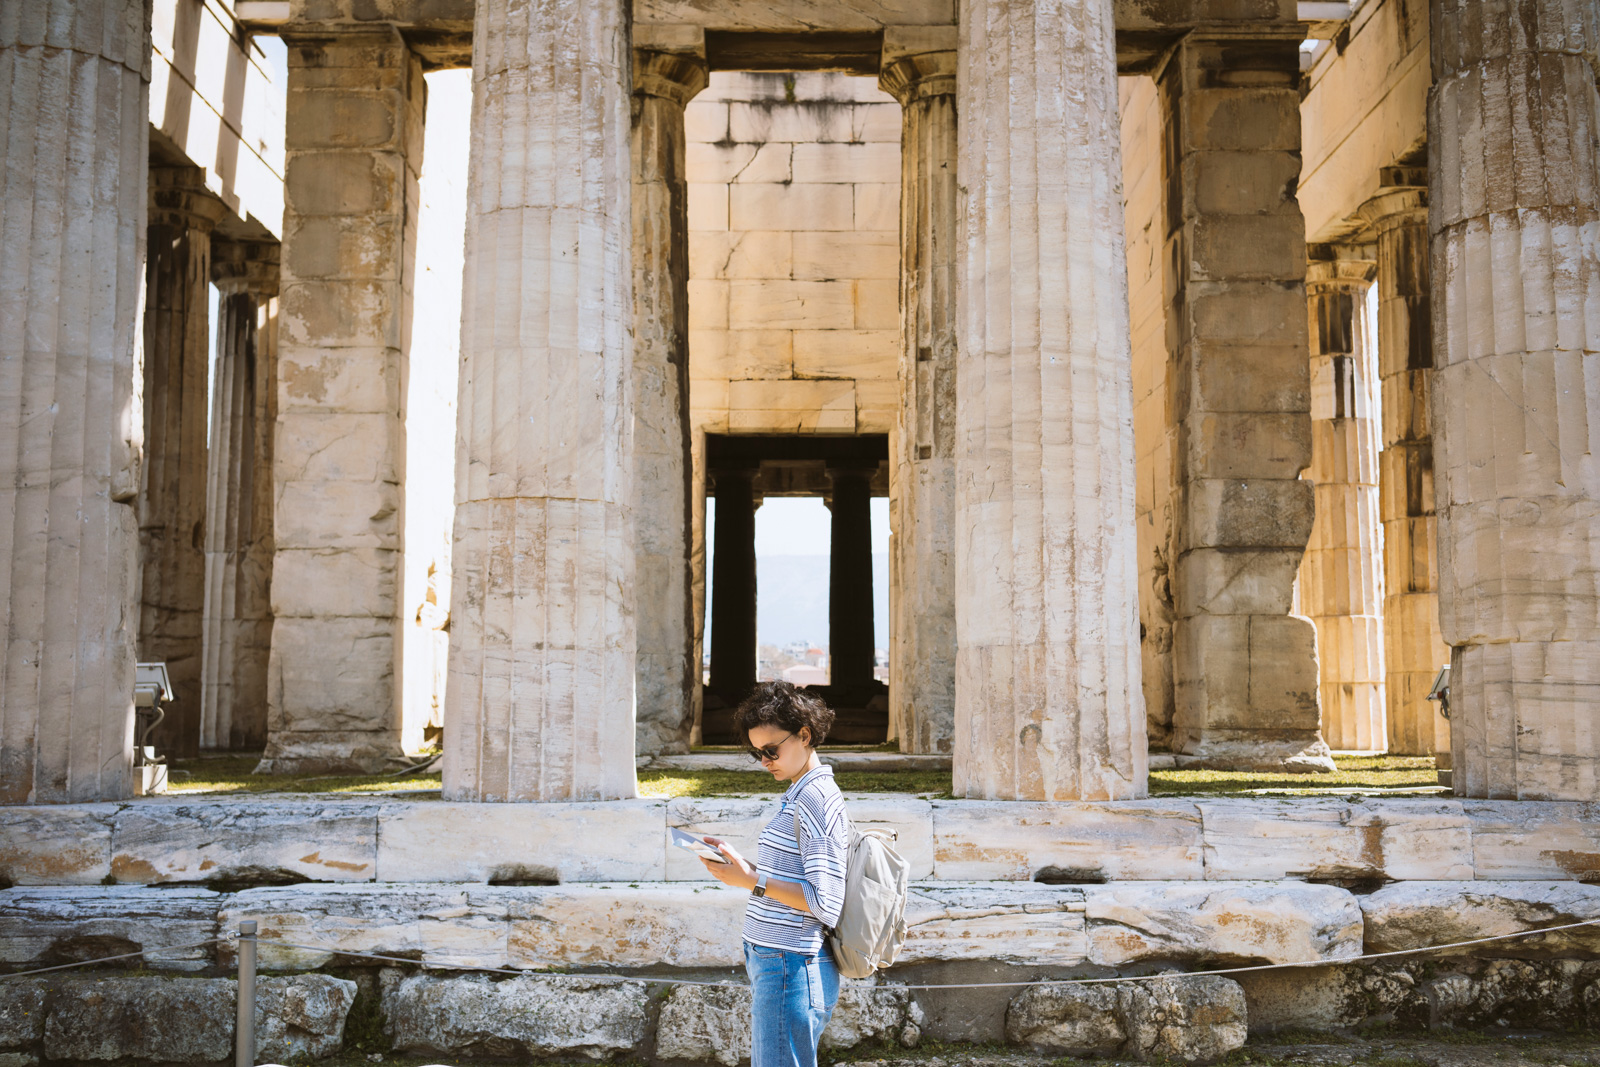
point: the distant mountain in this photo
(792, 599)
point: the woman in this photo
(796, 884)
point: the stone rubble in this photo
(525, 1016)
(1194, 1020)
(1425, 993)
(171, 1020)
(710, 1024)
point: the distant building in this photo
(805, 674)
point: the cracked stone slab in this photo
(1535, 839)
(56, 845)
(1336, 840)
(742, 820)
(1076, 842)
(45, 926)
(1211, 922)
(1410, 915)
(647, 924)
(616, 840)
(1030, 924)
(248, 843)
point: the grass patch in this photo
(233, 775)
(667, 784)
(1353, 772)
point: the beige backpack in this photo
(872, 922)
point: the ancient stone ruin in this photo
(1224, 364)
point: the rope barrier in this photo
(439, 965)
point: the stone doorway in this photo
(846, 472)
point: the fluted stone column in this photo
(1245, 682)
(1341, 576)
(354, 155)
(667, 677)
(1048, 698)
(1414, 646)
(851, 631)
(172, 500)
(733, 585)
(75, 77)
(922, 693)
(238, 604)
(542, 647)
(1514, 188)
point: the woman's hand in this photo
(737, 872)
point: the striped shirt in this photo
(819, 871)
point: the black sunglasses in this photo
(766, 753)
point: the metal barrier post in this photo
(244, 1052)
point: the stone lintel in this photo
(440, 31)
(676, 38)
(900, 42)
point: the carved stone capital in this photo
(1330, 275)
(674, 76)
(179, 197)
(245, 267)
(1396, 207)
(919, 76)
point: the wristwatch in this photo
(760, 888)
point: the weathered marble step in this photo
(1409, 915)
(49, 925)
(666, 924)
(255, 841)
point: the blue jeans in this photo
(792, 996)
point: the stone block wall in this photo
(794, 199)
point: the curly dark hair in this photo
(780, 704)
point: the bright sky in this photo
(802, 526)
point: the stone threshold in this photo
(256, 841)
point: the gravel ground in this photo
(1322, 1050)
(1462, 1049)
